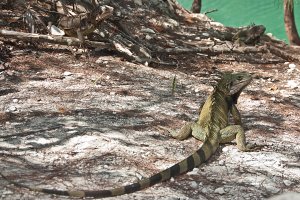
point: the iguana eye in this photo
(239, 78)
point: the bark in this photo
(196, 6)
(289, 21)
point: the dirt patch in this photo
(93, 123)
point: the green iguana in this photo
(249, 35)
(212, 128)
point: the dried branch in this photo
(282, 53)
(71, 41)
(213, 50)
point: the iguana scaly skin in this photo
(212, 128)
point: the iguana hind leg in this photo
(184, 132)
(235, 132)
(188, 129)
(198, 132)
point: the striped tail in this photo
(194, 160)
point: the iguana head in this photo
(232, 83)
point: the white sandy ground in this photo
(97, 128)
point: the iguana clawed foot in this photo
(253, 147)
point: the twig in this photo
(211, 11)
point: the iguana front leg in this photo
(236, 115)
(235, 132)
